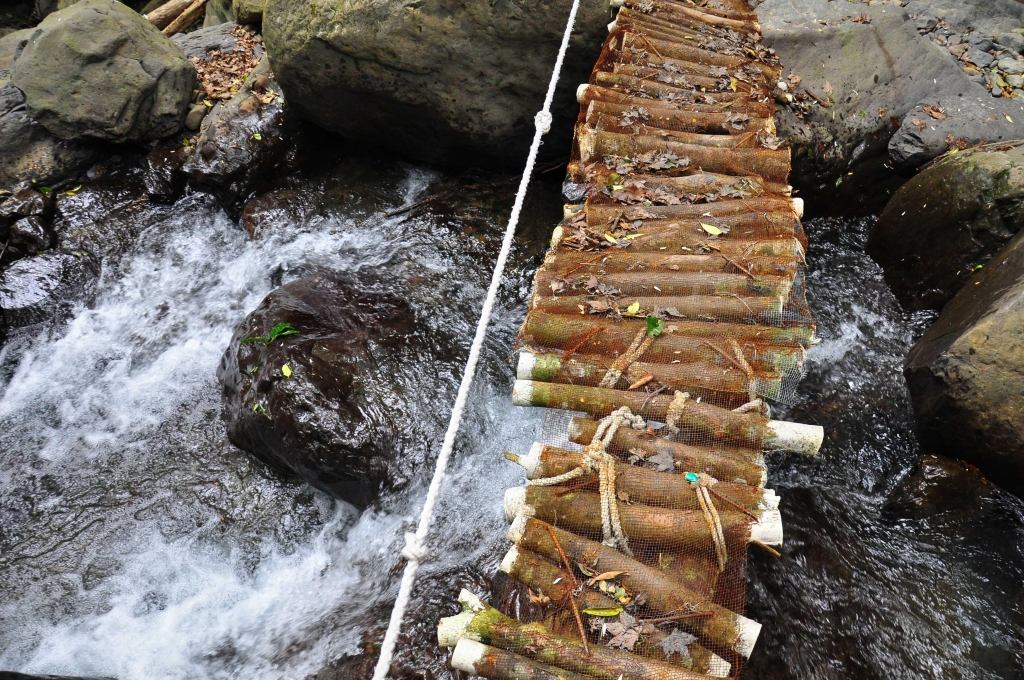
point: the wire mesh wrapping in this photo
(669, 311)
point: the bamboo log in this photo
(671, 118)
(537, 573)
(723, 10)
(188, 17)
(722, 386)
(662, 235)
(605, 123)
(662, 528)
(734, 307)
(773, 165)
(748, 88)
(497, 664)
(702, 183)
(779, 209)
(663, 30)
(168, 12)
(684, 103)
(690, 30)
(487, 625)
(687, 16)
(724, 629)
(703, 420)
(764, 293)
(674, 50)
(684, 94)
(640, 484)
(628, 261)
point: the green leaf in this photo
(255, 338)
(839, 180)
(614, 179)
(282, 330)
(258, 408)
(44, 190)
(711, 229)
(633, 308)
(604, 611)
(977, 267)
(257, 136)
(585, 570)
(655, 326)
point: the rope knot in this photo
(543, 122)
(414, 550)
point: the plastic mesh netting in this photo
(668, 313)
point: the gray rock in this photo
(980, 43)
(966, 375)
(248, 11)
(241, 139)
(98, 70)
(218, 12)
(981, 17)
(34, 289)
(979, 58)
(27, 150)
(195, 116)
(446, 81)
(198, 44)
(1013, 41)
(1011, 65)
(31, 234)
(1015, 80)
(949, 218)
(925, 22)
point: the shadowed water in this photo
(136, 542)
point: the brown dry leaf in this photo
(540, 598)
(881, 112)
(936, 112)
(605, 576)
(557, 286)
(917, 121)
(794, 79)
(863, 19)
(828, 89)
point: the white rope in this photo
(415, 551)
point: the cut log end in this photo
(467, 654)
(769, 529)
(581, 92)
(769, 501)
(524, 369)
(452, 628)
(796, 437)
(509, 561)
(522, 393)
(718, 667)
(798, 207)
(515, 501)
(518, 527)
(748, 630)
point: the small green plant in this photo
(280, 330)
(655, 326)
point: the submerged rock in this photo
(940, 485)
(446, 81)
(947, 220)
(98, 70)
(966, 375)
(319, 403)
(37, 288)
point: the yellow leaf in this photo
(1007, 116)
(286, 370)
(603, 611)
(633, 308)
(630, 237)
(733, 83)
(711, 229)
(610, 238)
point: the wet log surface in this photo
(675, 290)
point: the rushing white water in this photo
(146, 545)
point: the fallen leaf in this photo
(286, 371)
(540, 598)
(603, 611)
(935, 112)
(583, 568)
(655, 326)
(677, 642)
(664, 461)
(711, 229)
(633, 308)
(257, 136)
(794, 79)
(917, 121)
(557, 285)
(605, 576)
(828, 89)
(1007, 117)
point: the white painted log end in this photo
(769, 529)
(518, 528)
(524, 369)
(467, 654)
(515, 500)
(796, 437)
(616, 3)
(569, 210)
(611, 27)
(574, 430)
(452, 628)
(470, 601)
(522, 393)
(531, 461)
(769, 501)
(748, 631)
(508, 562)
(581, 92)
(718, 667)
(798, 206)
(556, 236)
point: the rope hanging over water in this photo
(415, 551)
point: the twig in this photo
(677, 617)
(766, 547)
(411, 206)
(817, 99)
(731, 359)
(587, 338)
(742, 302)
(4, 248)
(734, 504)
(575, 585)
(641, 36)
(736, 264)
(652, 395)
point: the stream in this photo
(136, 542)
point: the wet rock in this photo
(98, 70)
(331, 420)
(162, 173)
(26, 201)
(27, 150)
(200, 43)
(939, 485)
(1011, 65)
(966, 375)
(951, 217)
(242, 139)
(37, 288)
(31, 234)
(444, 82)
(271, 207)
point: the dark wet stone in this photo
(334, 421)
(103, 219)
(162, 174)
(272, 207)
(37, 288)
(940, 485)
(24, 202)
(31, 233)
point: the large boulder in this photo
(241, 139)
(442, 81)
(966, 375)
(98, 70)
(940, 486)
(881, 73)
(320, 403)
(946, 221)
(27, 150)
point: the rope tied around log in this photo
(702, 483)
(675, 411)
(597, 459)
(641, 343)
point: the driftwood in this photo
(168, 12)
(186, 18)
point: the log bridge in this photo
(668, 313)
